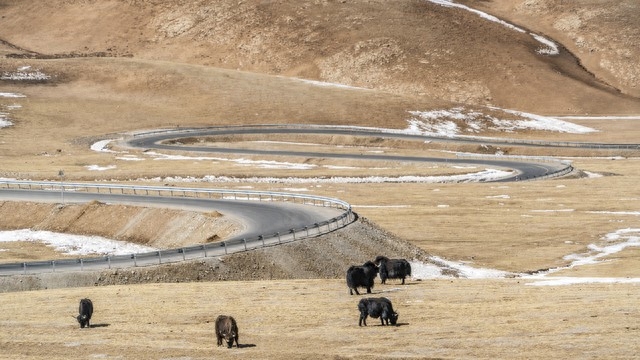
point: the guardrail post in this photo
(204, 247)
(135, 259)
(159, 257)
(306, 228)
(53, 266)
(24, 267)
(109, 261)
(261, 237)
(279, 240)
(184, 257)
(245, 243)
(225, 246)
(318, 228)
(293, 231)
(81, 264)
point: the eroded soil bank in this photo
(326, 256)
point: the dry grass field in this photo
(317, 319)
(114, 68)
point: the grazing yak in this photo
(85, 311)
(377, 308)
(392, 268)
(227, 329)
(361, 276)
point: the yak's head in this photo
(393, 318)
(371, 266)
(229, 337)
(380, 259)
(82, 319)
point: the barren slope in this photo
(404, 47)
(605, 35)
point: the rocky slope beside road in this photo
(326, 256)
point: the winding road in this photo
(262, 222)
(260, 218)
(523, 170)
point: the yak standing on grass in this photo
(377, 308)
(85, 311)
(227, 329)
(361, 276)
(392, 268)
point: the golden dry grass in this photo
(317, 319)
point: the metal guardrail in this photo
(185, 253)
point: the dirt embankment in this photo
(327, 256)
(157, 227)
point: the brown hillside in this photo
(605, 35)
(412, 47)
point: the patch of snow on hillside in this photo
(99, 168)
(485, 175)
(444, 122)
(11, 95)
(550, 47)
(266, 164)
(592, 174)
(539, 122)
(129, 158)
(24, 73)
(4, 120)
(467, 271)
(563, 281)
(634, 213)
(75, 244)
(101, 146)
(613, 243)
(322, 83)
(499, 197)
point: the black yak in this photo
(392, 268)
(227, 329)
(377, 308)
(361, 276)
(85, 310)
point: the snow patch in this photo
(25, 73)
(75, 244)
(550, 48)
(99, 168)
(101, 146)
(444, 122)
(11, 95)
(485, 175)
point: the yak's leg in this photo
(363, 319)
